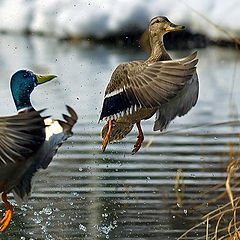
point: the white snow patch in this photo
(100, 18)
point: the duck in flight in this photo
(28, 141)
(139, 89)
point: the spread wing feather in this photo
(147, 85)
(18, 138)
(57, 131)
(179, 106)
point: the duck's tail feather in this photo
(119, 130)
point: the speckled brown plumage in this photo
(139, 89)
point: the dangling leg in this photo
(106, 139)
(140, 139)
(8, 214)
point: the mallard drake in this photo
(28, 141)
(139, 89)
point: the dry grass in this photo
(225, 219)
(179, 188)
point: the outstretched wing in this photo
(57, 131)
(146, 84)
(18, 138)
(179, 106)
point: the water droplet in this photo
(82, 227)
(51, 217)
(106, 229)
(46, 210)
(75, 194)
(89, 168)
(37, 220)
(105, 215)
(24, 208)
(185, 211)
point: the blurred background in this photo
(177, 177)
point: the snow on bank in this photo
(100, 18)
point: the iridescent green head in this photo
(22, 84)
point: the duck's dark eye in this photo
(25, 75)
(156, 21)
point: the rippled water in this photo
(87, 194)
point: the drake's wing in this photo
(142, 84)
(57, 131)
(18, 138)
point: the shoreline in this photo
(175, 40)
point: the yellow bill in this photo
(42, 79)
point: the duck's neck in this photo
(21, 99)
(158, 51)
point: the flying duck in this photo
(139, 89)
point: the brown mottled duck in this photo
(139, 89)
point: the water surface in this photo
(87, 194)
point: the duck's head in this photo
(22, 84)
(158, 26)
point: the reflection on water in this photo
(86, 194)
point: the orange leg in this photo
(8, 214)
(106, 139)
(140, 139)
